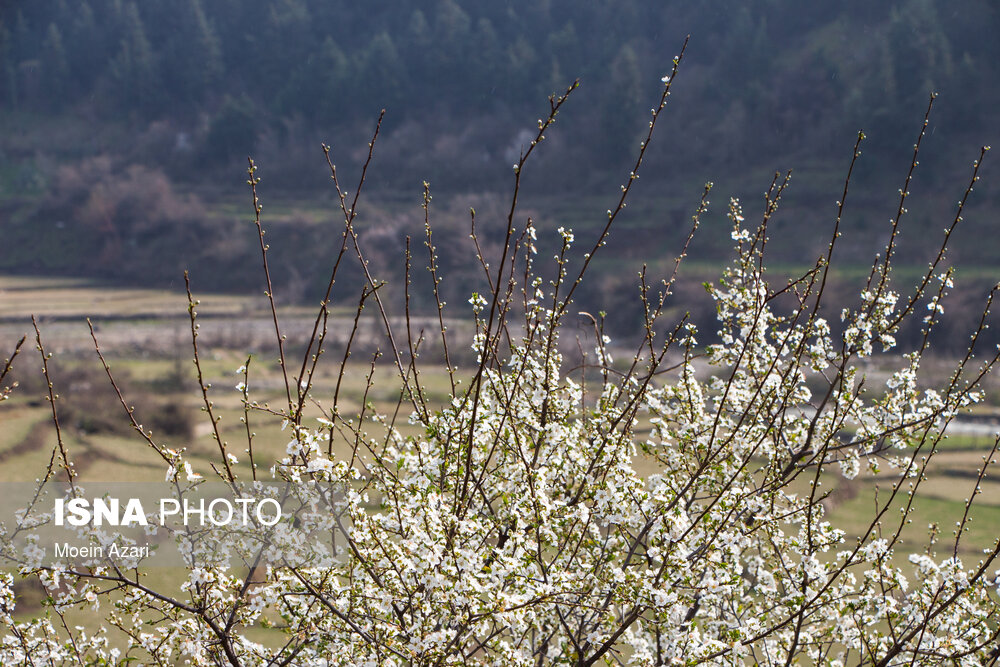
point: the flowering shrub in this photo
(640, 512)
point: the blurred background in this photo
(127, 125)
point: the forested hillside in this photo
(155, 106)
(802, 72)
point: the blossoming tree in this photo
(637, 511)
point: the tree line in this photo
(810, 74)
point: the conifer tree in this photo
(8, 85)
(134, 68)
(55, 69)
(621, 107)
